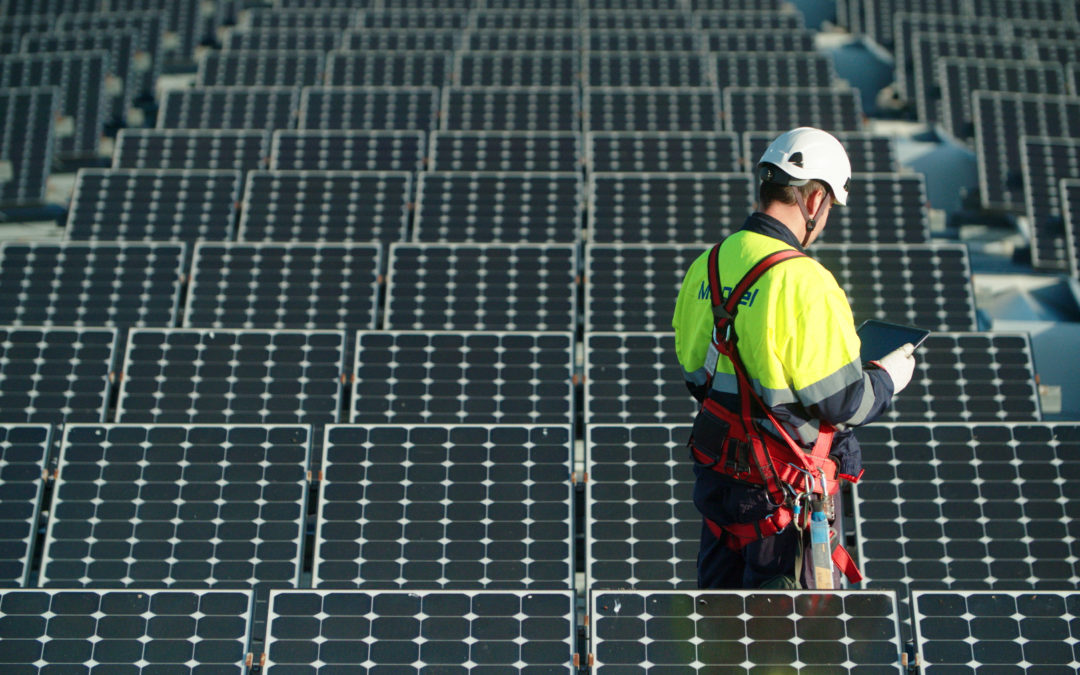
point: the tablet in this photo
(880, 337)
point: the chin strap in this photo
(811, 222)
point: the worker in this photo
(794, 336)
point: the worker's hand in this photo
(899, 364)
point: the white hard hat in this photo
(806, 154)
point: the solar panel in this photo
(56, 375)
(907, 24)
(778, 69)
(433, 5)
(652, 109)
(752, 19)
(121, 83)
(22, 24)
(264, 285)
(415, 19)
(557, 39)
(516, 287)
(261, 68)
(531, 5)
(630, 208)
(180, 18)
(439, 40)
(882, 208)
(405, 631)
(278, 39)
(325, 4)
(869, 152)
(414, 108)
(1002, 119)
(1053, 11)
(344, 150)
(325, 206)
(90, 283)
(966, 506)
(633, 287)
(210, 376)
(760, 40)
(505, 207)
(929, 49)
(525, 19)
(388, 68)
(746, 631)
(1054, 51)
(642, 530)
(511, 108)
(958, 77)
(789, 107)
(648, 69)
(229, 107)
(53, 7)
(239, 149)
(639, 20)
(635, 5)
(24, 451)
(634, 377)
(968, 631)
(506, 150)
(738, 5)
(143, 632)
(1070, 208)
(643, 41)
(151, 506)
(881, 14)
(517, 69)
(79, 81)
(27, 119)
(446, 506)
(336, 19)
(153, 205)
(663, 151)
(447, 377)
(149, 26)
(1045, 162)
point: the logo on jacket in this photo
(747, 299)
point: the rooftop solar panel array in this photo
(330, 206)
(347, 150)
(881, 15)
(413, 108)
(907, 24)
(510, 108)
(388, 68)
(1046, 161)
(788, 107)
(267, 108)
(231, 376)
(438, 39)
(91, 283)
(652, 109)
(506, 207)
(136, 631)
(238, 149)
(27, 138)
(663, 151)
(1070, 209)
(445, 506)
(413, 631)
(278, 39)
(958, 77)
(277, 285)
(517, 287)
(180, 18)
(24, 451)
(745, 631)
(153, 205)
(149, 28)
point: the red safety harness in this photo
(790, 475)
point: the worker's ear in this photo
(816, 197)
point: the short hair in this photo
(769, 192)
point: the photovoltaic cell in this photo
(337, 19)
(149, 26)
(278, 39)
(327, 206)
(229, 108)
(24, 451)
(506, 151)
(504, 207)
(642, 530)
(415, 19)
(511, 108)
(752, 19)
(668, 208)
(1002, 119)
(345, 150)
(616, 19)
(525, 20)
(178, 505)
(137, 631)
(648, 69)
(760, 40)
(643, 41)
(868, 152)
(416, 631)
(516, 287)
(788, 107)
(263, 68)
(153, 205)
(238, 149)
(652, 109)
(1046, 161)
(56, 375)
(288, 285)
(504, 40)
(439, 40)
(632, 377)
(393, 68)
(90, 283)
(412, 108)
(443, 377)
(663, 151)
(958, 77)
(27, 137)
(745, 631)
(213, 376)
(1070, 209)
(445, 506)
(973, 631)
(780, 69)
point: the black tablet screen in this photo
(879, 338)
